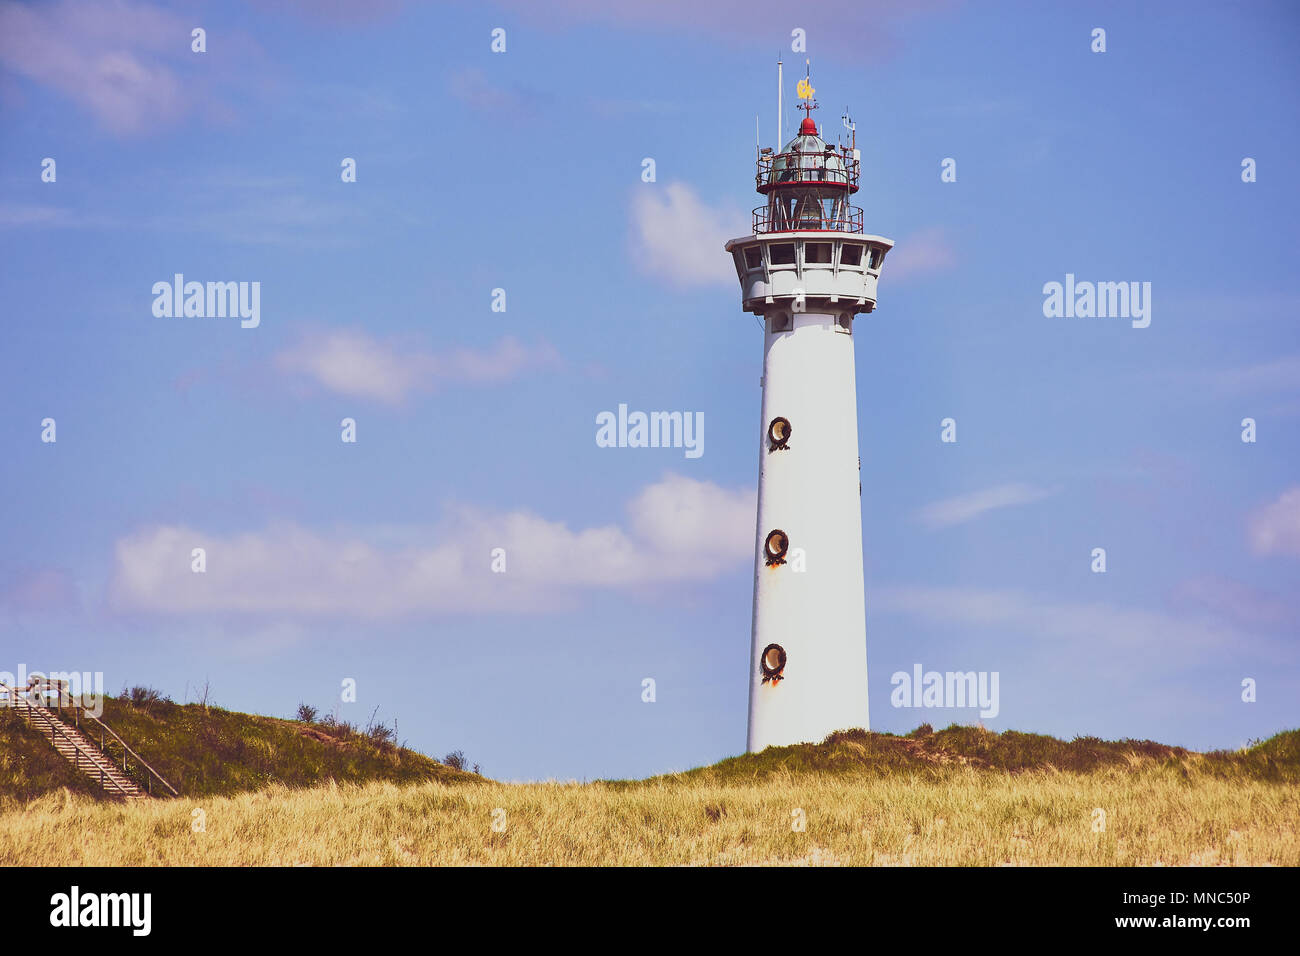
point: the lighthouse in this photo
(808, 270)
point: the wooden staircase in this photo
(81, 753)
(91, 759)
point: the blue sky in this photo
(476, 429)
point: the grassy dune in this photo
(956, 797)
(208, 751)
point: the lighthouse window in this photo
(782, 253)
(819, 252)
(772, 663)
(875, 259)
(775, 547)
(753, 257)
(778, 433)
(851, 255)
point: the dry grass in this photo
(949, 815)
(206, 751)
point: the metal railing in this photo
(30, 699)
(766, 219)
(41, 719)
(802, 168)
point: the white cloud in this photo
(31, 215)
(867, 28)
(967, 507)
(38, 589)
(1275, 528)
(1078, 629)
(707, 527)
(1089, 662)
(343, 12)
(105, 56)
(1235, 601)
(1279, 374)
(476, 90)
(680, 530)
(129, 64)
(681, 238)
(355, 364)
(921, 253)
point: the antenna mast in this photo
(780, 131)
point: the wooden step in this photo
(88, 759)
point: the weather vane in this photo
(805, 89)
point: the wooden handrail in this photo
(33, 711)
(127, 748)
(80, 710)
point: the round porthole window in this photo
(772, 662)
(775, 547)
(778, 433)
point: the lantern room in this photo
(808, 185)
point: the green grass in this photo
(931, 753)
(29, 766)
(960, 797)
(207, 751)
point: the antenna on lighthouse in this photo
(780, 126)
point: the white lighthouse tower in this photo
(808, 270)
